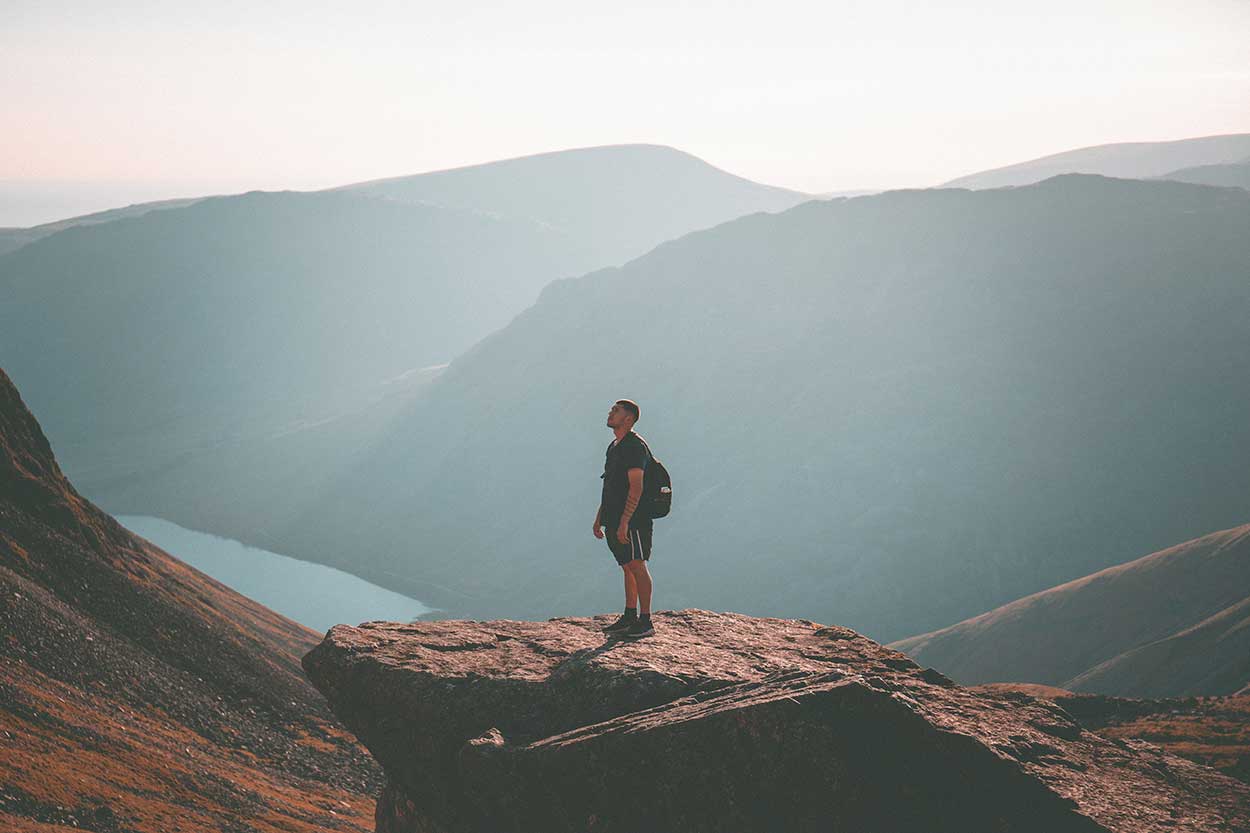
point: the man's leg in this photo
(623, 554)
(636, 574)
(631, 588)
(642, 580)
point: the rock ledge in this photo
(727, 722)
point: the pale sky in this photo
(134, 100)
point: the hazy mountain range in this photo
(620, 200)
(1128, 160)
(1173, 623)
(891, 412)
(176, 342)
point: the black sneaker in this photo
(639, 628)
(621, 624)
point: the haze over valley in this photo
(937, 397)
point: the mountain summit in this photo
(620, 200)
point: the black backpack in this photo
(657, 488)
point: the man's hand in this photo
(622, 532)
(598, 528)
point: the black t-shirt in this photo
(629, 453)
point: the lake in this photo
(311, 594)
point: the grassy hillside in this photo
(1169, 624)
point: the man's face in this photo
(618, 417)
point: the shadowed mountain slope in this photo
(145, 341)
(1172, 623)
(139, 694)
(896, 410)
(1129, 160)
(1211, 657)
(621, 200)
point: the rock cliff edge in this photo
(727, 722)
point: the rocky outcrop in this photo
(726, 722)
(1213, 731)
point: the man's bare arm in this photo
(635, 494)
(631, 503)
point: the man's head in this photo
(623, 414)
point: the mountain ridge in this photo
(1167, 624)
(624, 198)
(12, 239)
(1229, 175)
(1134, 160)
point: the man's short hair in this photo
(629, 405)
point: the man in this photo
(628, 533)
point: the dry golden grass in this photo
(69, 749)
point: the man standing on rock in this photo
(628, 532)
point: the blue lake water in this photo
(311, 594)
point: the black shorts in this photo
(638, 548)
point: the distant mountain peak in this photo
(1126, 160)
(625, 199)
(566, 154)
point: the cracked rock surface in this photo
(727, 722)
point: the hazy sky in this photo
(134, 100)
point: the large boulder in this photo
(727, 722)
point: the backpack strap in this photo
(650, 456)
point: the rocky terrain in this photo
(137, 694)
(1214, 731)
(727, 722)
